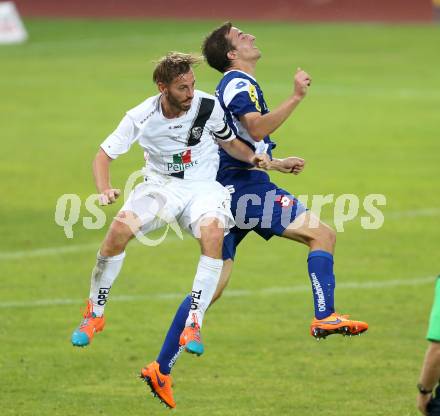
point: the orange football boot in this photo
(160, 384)
(191, 339)
(83, 335)
(336, 324)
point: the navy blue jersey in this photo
(257, 204)
(240, 94)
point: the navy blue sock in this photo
(170, 348)
(323, 282)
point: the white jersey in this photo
(182, 147)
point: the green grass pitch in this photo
(370, 124)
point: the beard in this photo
(177, 104)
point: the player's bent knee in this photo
(326, 237)
(120, 233)
(211, 238)
(211, 229)
(121, 230)
(330, 235)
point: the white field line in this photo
(269, 291)
(424, 212)
(53, 251)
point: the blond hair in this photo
(172, 65)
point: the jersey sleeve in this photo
(241, 97)
(434, 321)
(220, 129)
(120, 141)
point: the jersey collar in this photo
(237, 70)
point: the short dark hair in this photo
(216, 46)
(172, 65)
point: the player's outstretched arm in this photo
(259, 125)
(238, 150)
(290, 164)
(101, 173)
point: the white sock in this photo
(104, 274)
(205, 283)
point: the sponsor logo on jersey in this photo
(181, 161)
(182, 158)
(178, 126)
(254, 97)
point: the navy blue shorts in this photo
(257, 205)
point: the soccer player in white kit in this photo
(178, 130)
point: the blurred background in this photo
(369, 125)
(293, 10)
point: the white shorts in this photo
(162, 200)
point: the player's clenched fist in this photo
(109, 196)
(261, 160)
(292, 164)
(302, 83)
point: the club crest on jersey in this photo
(181, 161)
(196, 133)
(284, 201)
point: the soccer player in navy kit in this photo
(235, 55)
